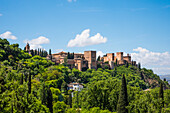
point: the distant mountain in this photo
(165, 76)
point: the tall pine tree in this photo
(73, 56)
(35, 52)
(139, 66)
(98, 59)
(43, 94)
(161, 94)
(70, 99)
(29, 84)
(116, 62)
(21, 80)
(49, 100)
(38, 51)
(49, 51)
(123, 98)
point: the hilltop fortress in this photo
(88, 60)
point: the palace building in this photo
(87, 60)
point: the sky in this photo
(138, 27)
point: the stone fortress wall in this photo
(88, 60)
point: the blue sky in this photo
(139, 27)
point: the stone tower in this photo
(119, 56)
(110, 56)
(90, 56)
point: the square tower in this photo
(110, 56)
(119, 56)
(90, 56)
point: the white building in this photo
(75, 86)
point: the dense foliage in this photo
(35, 84)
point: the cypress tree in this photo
(98, 59)
(12, 108)
(35, 52)
(29, 84)
(161, 93)
(164, 79)
(38, 51)
(116, 62)
(139, 66)
(42, 53)
(49, 100)
(45, 53)
(43, 96)
(142, 77)
(49, 51)
(132, 62)
(123, 99)
(70, 99)
(68, 56)
(21, 81)
(115, 71)
(127, 65)
(73, 56)
(32, 52)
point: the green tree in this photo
(59, 107)
(123, 98)
(127, 64)
(68, 56)
(29, 83)
(49, 100)
(161, 94)
(64, 86)
(21, 80)
(43, 94)
(98, 59)
(139, 66)
(99, 66)
(35, 52)
(38, 51)
(73, 56)
(49, 51)
(32, 52)
(70, 99)
(116, 62)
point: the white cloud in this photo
(8, 35)
(100, 53)
(84, 39)
(0, 14)
(37, 43)
(154, 60)
(71, 0)
(161, 70)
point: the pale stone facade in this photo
(90, 56)
(119, 58)
(88, 60)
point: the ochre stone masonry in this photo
(88, 60)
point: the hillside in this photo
(35, 84)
